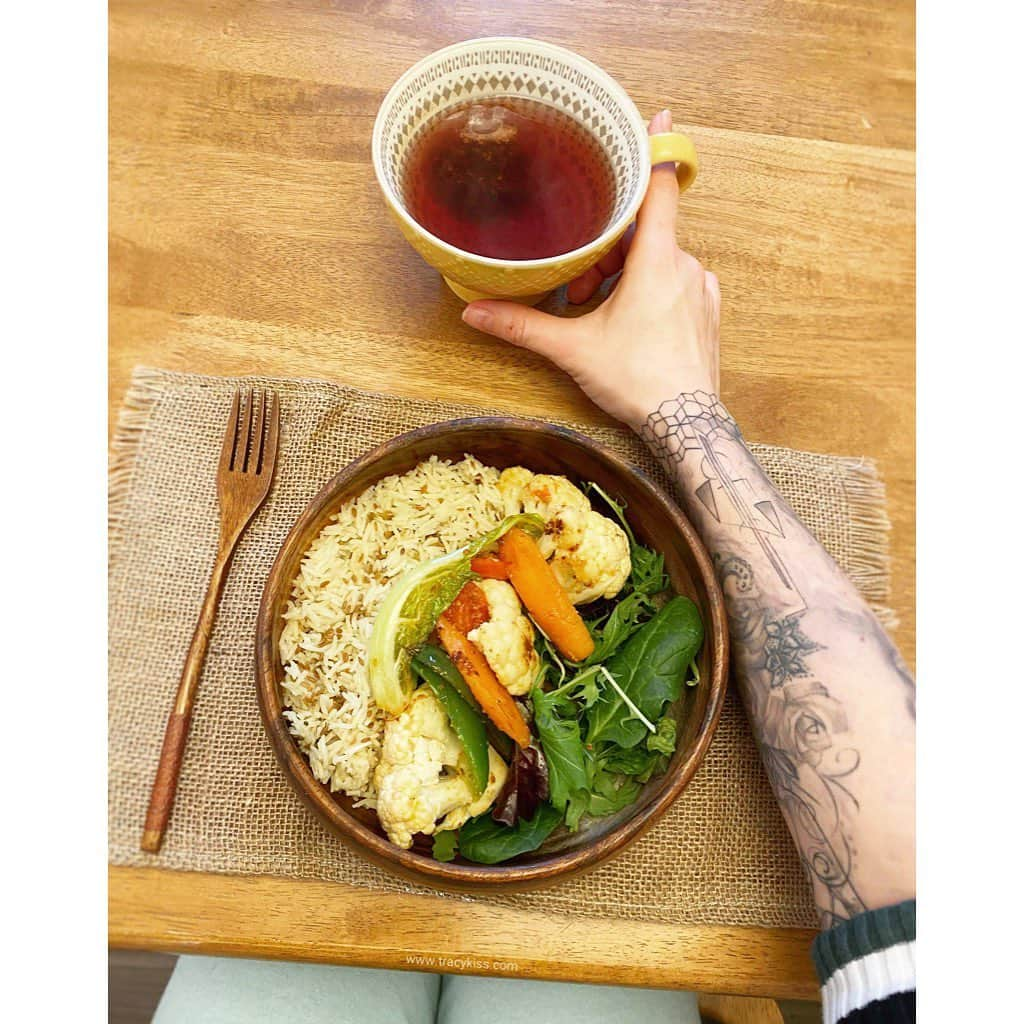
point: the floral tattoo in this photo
(799, 729)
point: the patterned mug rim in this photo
(598, 74)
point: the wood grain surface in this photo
(324, 922)
(247, 235)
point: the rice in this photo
(434, 508)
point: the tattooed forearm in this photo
(812, 663)
(800, 729)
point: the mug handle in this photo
(677, 148)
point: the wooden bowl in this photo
(656, 521)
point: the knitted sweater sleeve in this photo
(867, 967)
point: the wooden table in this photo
(247, 236)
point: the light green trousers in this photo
(212, 990)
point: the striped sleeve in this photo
(867, 967)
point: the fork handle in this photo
(165, 785)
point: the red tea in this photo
(509, 178)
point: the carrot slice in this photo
(491, 567)
(494, 699)
(538, 588)
(469, 609)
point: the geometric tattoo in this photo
(697, 427)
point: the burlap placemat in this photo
(722, 855)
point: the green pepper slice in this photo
(438, 661)
(467, 724)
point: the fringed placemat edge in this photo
(140, 400)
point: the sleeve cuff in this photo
(868, 958)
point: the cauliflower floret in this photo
(496, 775)
(598, 564)
(550, 497)
(588, 552)
(506, 638)
(511, 486)
(421, 776)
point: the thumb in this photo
(656, 218)
(524, 326)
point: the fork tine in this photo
(244, 434)
(272, 426)
(256, 454)
(230, 433)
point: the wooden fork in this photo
(243, 480)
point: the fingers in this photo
(713, 305)
(611, 262)
(521, 325)
(656, 220)
(655, 226)
(584, 286)
(714, 293)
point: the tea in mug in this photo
(509, 178)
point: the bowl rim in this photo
(612, 231)
(467, 875)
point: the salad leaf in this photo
(411, 607)
(582, 690)
(664, 739)
(657, 767)
(578, 805)
(445, 845)
(486, 841)
(610, 793)
(650, 669)
(621, 623)
(526, 785)
(634, 761)
(586, 689)
(570, 766)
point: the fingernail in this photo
(661, 122)
(476, 317)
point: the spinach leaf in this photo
(611, 793)
(569, 764)
(650, 669)
(445, 845)
(634, 761)
(639, 763)
(656, 767)
(486, 841)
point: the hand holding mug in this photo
(655, 336)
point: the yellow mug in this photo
(480, 69)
